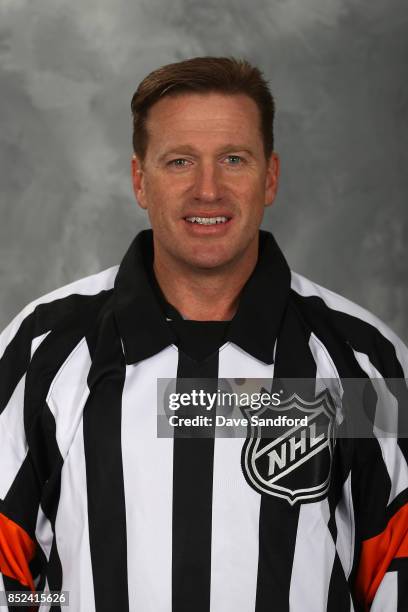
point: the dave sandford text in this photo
(220, 399)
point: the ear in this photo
(138, 181)
(272, 177)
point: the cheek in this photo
(161, 189)
(152, 187)
(251, 197)
(248, 186)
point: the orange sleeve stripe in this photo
(16, 551)
(378, 552)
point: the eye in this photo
(180, 162)
(235, 160)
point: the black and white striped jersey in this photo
(95, 503)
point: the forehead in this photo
(209, 116)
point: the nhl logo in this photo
(290, 461)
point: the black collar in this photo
(142, 323)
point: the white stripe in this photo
(327, 376)
(89, 285)
(36, 580)
(2, 588)
(313, 559)
(236, 506)
(325, 367)
(148, 483)
(45, 607)
(71, 529)
(386, 421)
(68, 394)
(344, 516)
(13, 444)
(43, 532)
(37, 341)
(386, 597)
(305, 287)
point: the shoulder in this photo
(358, 326)
(335, 302)
(52, 308)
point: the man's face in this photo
(205, 180)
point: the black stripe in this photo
(370, 488)
(37, 568)
(278, 523)
(402, 566)
(15, 360)
(49, 505)
(398, 564)
(10, 584)
(278, 520)
(340, 594)
(104, 472)
(192, 503)
(54, 571)
(293, 358)
(338, 599)
(23, 497)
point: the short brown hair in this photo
(226, 75)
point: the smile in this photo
(207, 220)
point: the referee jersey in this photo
(93, 502)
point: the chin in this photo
(209, 264)
(208, 261)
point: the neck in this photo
(204, 294)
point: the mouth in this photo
(208, 220)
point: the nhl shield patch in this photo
(291, 460)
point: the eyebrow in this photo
(188, 149)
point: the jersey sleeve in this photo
(383, 529)
(19, 489)
(380, 493)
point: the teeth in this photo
(207, 220)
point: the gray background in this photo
(337, 68)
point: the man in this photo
(94, 501)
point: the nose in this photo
(207, 186)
